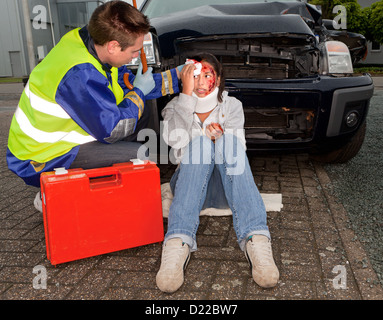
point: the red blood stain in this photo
(211, 81)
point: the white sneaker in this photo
(260, 256)
(38, 203)
(175, 257)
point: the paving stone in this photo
(311, 239)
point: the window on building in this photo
(375, 46)
(75, 14)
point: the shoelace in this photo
(262, 253)
(172, 257)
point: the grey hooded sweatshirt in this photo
(181, 123)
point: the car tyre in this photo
(347, 152)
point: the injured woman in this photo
(204, 127)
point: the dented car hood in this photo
(277, 18)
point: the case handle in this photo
(109, 177)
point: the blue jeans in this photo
(232, 181)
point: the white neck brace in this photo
(207, 103)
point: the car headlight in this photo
(337, 58)
(150, 47)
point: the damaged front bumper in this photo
(310, 114)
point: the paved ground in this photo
(318, 255)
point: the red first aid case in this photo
(97, 211)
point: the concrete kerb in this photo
(359, 262)
(378, 82)
(13, 90)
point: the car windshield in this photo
(158, 8)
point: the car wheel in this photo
(345, 153)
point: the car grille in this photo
(258, 68)
(257, 58)
(279, 116)
(279, 124)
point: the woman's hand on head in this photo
(187, 78)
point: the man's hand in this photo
(214, 131)
(179, 69)
(144, 82)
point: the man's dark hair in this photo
(119, 21)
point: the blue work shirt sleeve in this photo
(166, 82)
(85, 96)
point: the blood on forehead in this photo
(207, 68)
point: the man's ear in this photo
(113, 46)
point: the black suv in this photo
(293, 74)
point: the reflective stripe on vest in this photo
(49, 137)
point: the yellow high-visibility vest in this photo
(41, 129)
